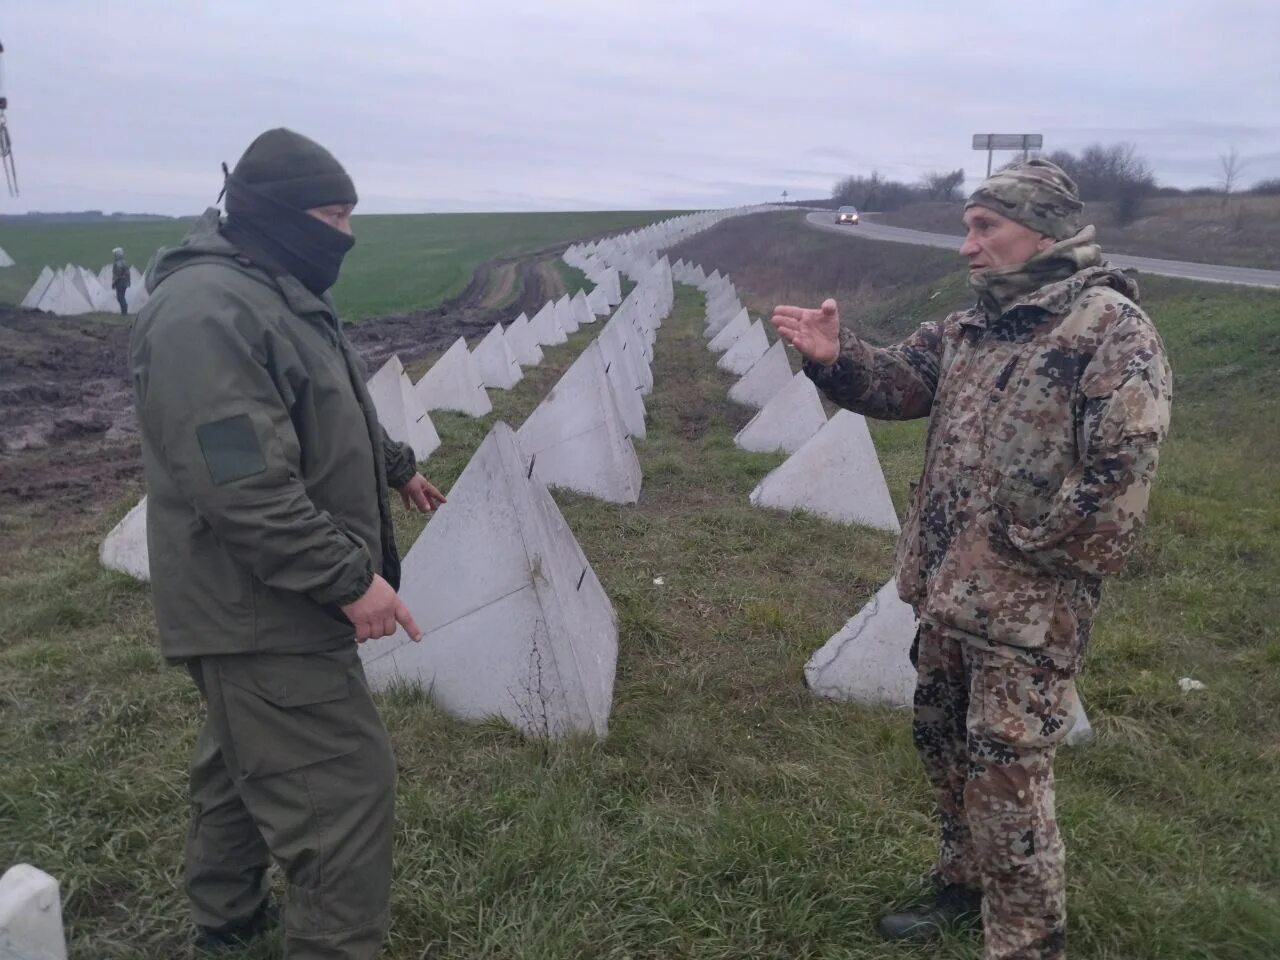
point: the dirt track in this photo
(68, 436)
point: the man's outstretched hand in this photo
(815, 333)
(420, 493)
(378, 611)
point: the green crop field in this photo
(729, 814)
(400, 263)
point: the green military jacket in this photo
(266, 466)
(1047, 403)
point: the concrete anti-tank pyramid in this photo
(575, 438)
(30, 915)
(125, 547)
(523, 343)
(766, 378)
(746, 350)
(453, 383)
(582, 311)
(515, 623)
(869, 660)
(730, 332)
(565, 315)
(5, 259)
(400, 411)
(546, 328)
(494, 361)
(787, 421)
(62, 298)
(598, 301)
(38, 289)
(86, 282)
(626, 388)
(835, 475)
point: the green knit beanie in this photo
(295, 171)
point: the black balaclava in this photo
(281, 176)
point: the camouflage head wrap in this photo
(1035, 193)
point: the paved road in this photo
(1212, 273)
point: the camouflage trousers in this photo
(987, 724)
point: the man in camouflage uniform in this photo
(120, 278)
(1047, 404)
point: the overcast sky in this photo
(460, 105)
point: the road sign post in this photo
(992, 142)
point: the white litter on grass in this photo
(1187, 685)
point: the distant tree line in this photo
(879, 194)
(1105, 173)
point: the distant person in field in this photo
(1047, 403)
(120, 278)
(272, 555)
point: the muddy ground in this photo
(68, 437)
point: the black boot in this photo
(954, 906)
(213, 940)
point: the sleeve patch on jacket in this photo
(231, 449)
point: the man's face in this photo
(336, 215)
(993, 240)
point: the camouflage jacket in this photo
(1046, 413)
(120, 278)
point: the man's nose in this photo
(969, 247)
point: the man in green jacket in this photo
(272, 554)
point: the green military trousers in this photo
(292, 764)
(987, 725)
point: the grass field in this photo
(728, 814)
(399, 263)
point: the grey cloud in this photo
(463, 106)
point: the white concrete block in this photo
(546, 329)
(582, 311)
(745, 351)
(5, 259)
(627, 390)
(575, 438)
(565, 315)
(37, 289)
(598, 301)
(523, 342)
(767, 377)
(453, 383)
(63, 299)
(125, 548)
(835, 475)
(516, 624)
(494, 361)
(730, 332)
(30, 915)
(869, 661)
(786, 422)
(400, 411)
